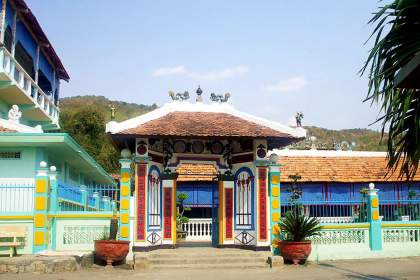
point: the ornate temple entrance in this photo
(244, 203)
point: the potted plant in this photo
(180, 218)
(110, 249)
(296, 228)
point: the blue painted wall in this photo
(199, 193)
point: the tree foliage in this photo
(87, 126)
(396, 41)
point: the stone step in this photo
(211, 260)
(210, 266)
(160, 256)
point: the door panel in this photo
(215, 217)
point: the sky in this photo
(275, 57)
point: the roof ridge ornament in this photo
(199, 92)
(219, 97)
(179, 96)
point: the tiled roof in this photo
(196, 172)
(204, 124)
(338, 169)
(3, 129)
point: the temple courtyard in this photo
(372, 269)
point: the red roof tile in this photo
(338, 169)
(204, 124)
(196, 172)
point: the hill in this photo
(123, 111)
(84, 118)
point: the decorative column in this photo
(274, 194)
(53, 205)
(125, 192)
(226, 203)
(375, 229)
(262, 228)
(40, 231)
(169, 208)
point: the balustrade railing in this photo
(329, 211)
(86, 198)
(17, 197)
(400, 210)
(198, 230)
(25, 82)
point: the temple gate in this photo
(233, 143)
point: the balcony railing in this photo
(17, 74)
(198, 229)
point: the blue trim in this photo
(151, 228)
(249, 171)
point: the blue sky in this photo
(274, 57)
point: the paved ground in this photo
(380, 269)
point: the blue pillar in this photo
(375, 229)
(40, 232)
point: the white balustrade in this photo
(198, 230)
(28, 85)
(336, 220)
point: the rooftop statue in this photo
(179, 96)
(219, 97)
(15, 114)
(299, 118)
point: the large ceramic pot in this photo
(295, 252)
(111, 250)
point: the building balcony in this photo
(17, 87)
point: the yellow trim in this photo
(16, 218)
(125, 204)
(174, 213)
(124, 231)
(375, 215)
(124, 218)
(41, 186)
(125, 190)
(40, 203)
(275, 217)
(345, 226)
(39, 220)
(275, 203)
(39, 238)
(275, 191)
(275, 179)
(76, 216)
(125, 177)
(375, 202)
(400, 225)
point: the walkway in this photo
(378, 269)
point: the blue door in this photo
(215, 216)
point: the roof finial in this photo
(179, 96)
(299, 117)
(199, 97)
(219, 97)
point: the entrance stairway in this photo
(201, 257)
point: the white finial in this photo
(125, 153)
(274, 158)
(371, 186)
(14, 114)
(43, 164)
(53, 168)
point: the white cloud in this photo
(169, 71)
(225, 73)
(221, 74)
(291, 84)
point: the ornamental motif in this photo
(244, 238)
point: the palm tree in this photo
(397, 41)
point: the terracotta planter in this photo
(296, 252)
(111, 250)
